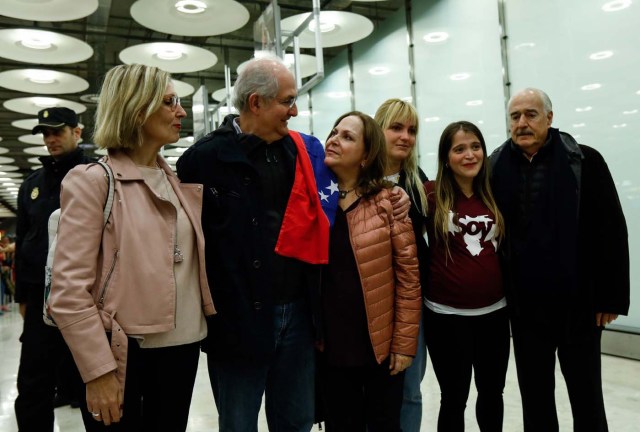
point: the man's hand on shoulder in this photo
(401, 203)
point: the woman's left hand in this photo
(399, 362)
(401, 203)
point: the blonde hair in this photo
(129, 95)
(447, 186)
(398, 111)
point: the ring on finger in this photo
(95, 414)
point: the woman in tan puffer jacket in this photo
(371, 289)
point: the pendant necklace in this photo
(342, 194)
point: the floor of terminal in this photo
(621, 381)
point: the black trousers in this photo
(362, 399)
(459, 344)
(535, 343)
(43, 353)
(158, 389)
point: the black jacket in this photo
(238, 250)
(418, 221)
(38, 197)
(598, 259)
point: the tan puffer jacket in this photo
(386, 255)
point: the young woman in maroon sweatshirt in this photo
(466, 322)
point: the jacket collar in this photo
(125, 169)
(236, 146)
(66, 162)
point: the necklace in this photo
(178, 257)
(342, 194)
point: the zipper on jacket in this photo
(103, 291)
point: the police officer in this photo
(43, 348)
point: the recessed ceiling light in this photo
(325, 26)
(338, 94)
(524, 45)
(583, 109)
(42, 76)
(480, 122)
(434, 37)
(593, 86)
(616, 5)
(36, 42)
(630, 111)
(379, 70)
(459, 76)
(578, 125)
(191, 6)
(621, 125)
(169, 54)
(432, 119)
(474, 103)
(45, 102)
(90, 97)
(601, 55)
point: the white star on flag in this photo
(333, 187)
(323, 196)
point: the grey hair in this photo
(546, 101)
(259, 76)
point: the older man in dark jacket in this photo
(266, 234)
(568, 261)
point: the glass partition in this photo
(584, 55)
(381, 65)
(332, 96)
(458, 69)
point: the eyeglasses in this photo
(172, 101)
(288, 102)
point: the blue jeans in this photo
(287, 380)
(411, 412)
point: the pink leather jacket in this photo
(386, 255)
(120, 280)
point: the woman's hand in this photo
(105, 398)
(401, 203)
(399, 362)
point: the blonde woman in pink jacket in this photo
(130, 299)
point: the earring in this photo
(446, 165)
(363, 163)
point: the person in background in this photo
(371, 289)
(7, 283)
(467, 323)
(568, 261)
(399, 122)
(142, 276)
(42, 346)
